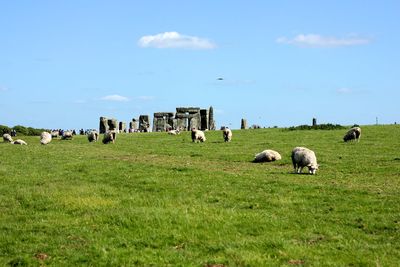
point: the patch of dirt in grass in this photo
(296, 262)
(41, 256)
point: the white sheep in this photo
(67, 135)
(198, 135)
(304, 157)
(19, 142)
(174, 132)
(55, 134)
(93, 136)
(267, 155)
(45, 138)
(227, 134)
(353, 134)
(109, 137)
(7, 138)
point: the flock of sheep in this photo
(301, 156)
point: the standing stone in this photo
(122, 127)
(204, 119)
(243, 124)
(144, 123)
(103, 125)
(314, 122)
(211, 121)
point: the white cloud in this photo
(3, 89)
(315, 40)
(175, 40)
(116, 98)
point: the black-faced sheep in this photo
(7, 138)
(109, 137)
(304, 157)
(267, 156)
(45, 138)
(198, 135)
(353, 134)
(227, 134)
(93, 136)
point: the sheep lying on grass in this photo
(45, 138)
(174, 132)
(19, 142)
(93, 136)
(353, 134)
(227, 134)
(198, 135)
(109, 137)
(7, 138)
(304, 157)
(267, 155)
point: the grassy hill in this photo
(153, 199)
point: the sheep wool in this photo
(353, 134)
(267, 155)
(45, 138)
(304, 157)
(227, 134)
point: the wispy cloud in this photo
(316, 40)
(175, 40)
(3, 88)
(116, 98)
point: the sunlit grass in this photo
(156, 199)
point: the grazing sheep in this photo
(67, 135)
(227, 134)
(198, 135)
(93, 136)
(267, 156)
(54, 134)
(19, 142)
(174, 132)
(45, 138)
(7, 138)
(304, 157)
(353, 134)
(109, 137)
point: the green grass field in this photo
(153, 199)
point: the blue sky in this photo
(63, 64)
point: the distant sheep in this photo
(7, 138)
(304, 157)
(109, 137)
(55, 134)
(227, 134)
(353, 134)
(93, 136)
(67, 135)
(45, 138)
(174, 132)
(198, 135)
(267, 156)
(19, 142)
